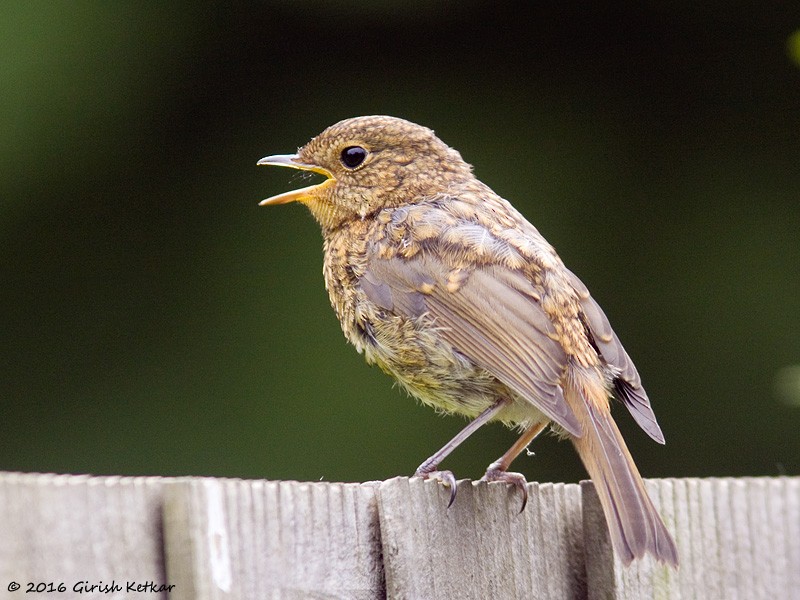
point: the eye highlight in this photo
(353, 156)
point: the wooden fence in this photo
(66, 536)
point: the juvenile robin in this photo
(449, 289)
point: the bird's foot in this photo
(445, 477)
(517, 479)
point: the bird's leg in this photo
(498, 470)
(430, 468)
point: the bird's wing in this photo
(628, 386)
(489, 314)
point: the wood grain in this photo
(227, 538)
(737, 538)
(80, 531)
(482, 546)
(268, 539)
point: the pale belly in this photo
(430, 369)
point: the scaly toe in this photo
(445, 477)
(516, 479)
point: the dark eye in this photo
(353, 156)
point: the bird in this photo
(449, 289)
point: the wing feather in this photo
(627, 385)
(489, 315)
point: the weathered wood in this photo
(482, 546)
(737, 538)
(80, 531)
(264, 539)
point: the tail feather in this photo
(634, 524)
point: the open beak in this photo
(293, 162)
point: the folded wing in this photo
(489, 314)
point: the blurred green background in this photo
(155, 320)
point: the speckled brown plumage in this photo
(449, 289)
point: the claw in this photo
(516, 479)
(446, 478)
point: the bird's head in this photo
(370, 163)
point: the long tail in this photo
(633, 522)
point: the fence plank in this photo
(482, 546)
(266, 539)
(737, 538)
(81, 531)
